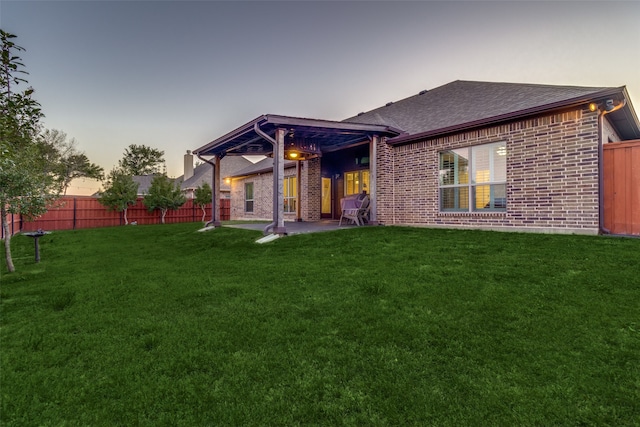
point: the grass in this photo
(159, 325)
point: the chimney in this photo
(188, 165)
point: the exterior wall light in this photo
(301, 149)
(593, 107)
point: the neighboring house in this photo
(195, 177)
(144, 183)
(466, 154)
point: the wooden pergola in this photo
(266, 135)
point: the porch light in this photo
(300, 149)
(607, 105)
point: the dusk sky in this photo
(175, 75)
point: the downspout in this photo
(373, 179)
(601, 114)
(213, 191)
(276, 162)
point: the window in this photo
(474, 179)
(356, 182)
(248, 196)
(290, 194)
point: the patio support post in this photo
(216, 193)
(278, 170)
(298, 191)
(373, 176)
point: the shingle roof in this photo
(202, 172)
(461, 102)
(144, 183)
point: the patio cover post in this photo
(216, 193)
(373, 172)
(298, 191)
(278, 169)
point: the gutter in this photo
(601, 114)
(213, 192)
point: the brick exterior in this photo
(263, 194)
(311, 190)
(262, 197)
(552, 177)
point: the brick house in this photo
(466, 154)
(194, 177)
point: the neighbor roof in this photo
(462, 105)
(202, 173)
(144, 183)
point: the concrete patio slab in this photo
(298, 227)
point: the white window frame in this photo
(249, 201)
(359, 177)
(290, 194)
(497, 198)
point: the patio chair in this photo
(354, 209)
(363, 212)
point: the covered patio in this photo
(300, 139)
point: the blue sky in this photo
(175, 75)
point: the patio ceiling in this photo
(329, 135)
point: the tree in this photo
(26, 182)
(120, 192)
(69, 162)
(141, 160)
(203, 197)
(163, 195)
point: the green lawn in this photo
(160, 325)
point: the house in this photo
(503, 156)
(202, 173)
(194, 177)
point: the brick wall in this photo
(552, 176)
(262, 197)
(311, 190)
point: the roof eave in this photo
(515, 115)
(275, 121)
(341, 125)
(247, 127)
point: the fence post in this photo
(74, 212)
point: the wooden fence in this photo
(622, 187)
(70, 213)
